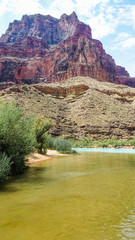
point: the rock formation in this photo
(45, 49)
(80, 107)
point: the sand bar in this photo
(36, 157)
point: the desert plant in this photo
(5, 167)
(50, 142)
(132, 142)
(60, 144)
(63, 145)
(17, 136)
(112, 142)
(42, 127)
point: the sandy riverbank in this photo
(36, 157)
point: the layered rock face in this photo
(45, 49)
(80, 107)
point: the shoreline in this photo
(105, 143)
(110, 147)
(106, 150)
(37, 157)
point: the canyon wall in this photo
(45, 49)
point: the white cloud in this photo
(131, 69)
(104, 16)
(101, 27)
(103, 21)
(58, 7)
(123, 41)
(85, 7)
(122, 37)
(3, 6)
(128, 43)
(131, 15)
(20, 7)
(118, 1)
(126, 15)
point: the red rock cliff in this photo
(45, 49)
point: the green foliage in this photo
(63, 145)
(59, 144)
(132, 142)
(45, 141)
(117, 143)
(102, 143)
(85, 142)
(50, 142)
(17, 136)
(5, 167)
(20, 135)
(112, 142)
(42, 127)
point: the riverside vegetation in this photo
(21, 134)
(112, 142)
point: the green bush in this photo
(63, 145)
(5, 167)
(42, 127)
(103, 144)
(132, 142)
(17, 136)
(85, 142)
(59, 144)
(50, 142)
(112, 142)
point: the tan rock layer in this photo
(96, 112)
(62, 91)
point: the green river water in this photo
(85, 197)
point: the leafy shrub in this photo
(50, 142)
(17, 136)
(85, 142)
(42, 127)
(132, 142)
(5, 167)
(112, 142)
(101, 143)
(59, 144)
(63, 145)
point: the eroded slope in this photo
(80, 107)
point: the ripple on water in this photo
(88, 196)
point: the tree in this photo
(5, 167)
(42, 127)
(17, 137)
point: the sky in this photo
(112, 22)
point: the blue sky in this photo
(112, 21)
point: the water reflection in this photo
(127, 228)
(88, 196)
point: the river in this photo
(90, 196)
